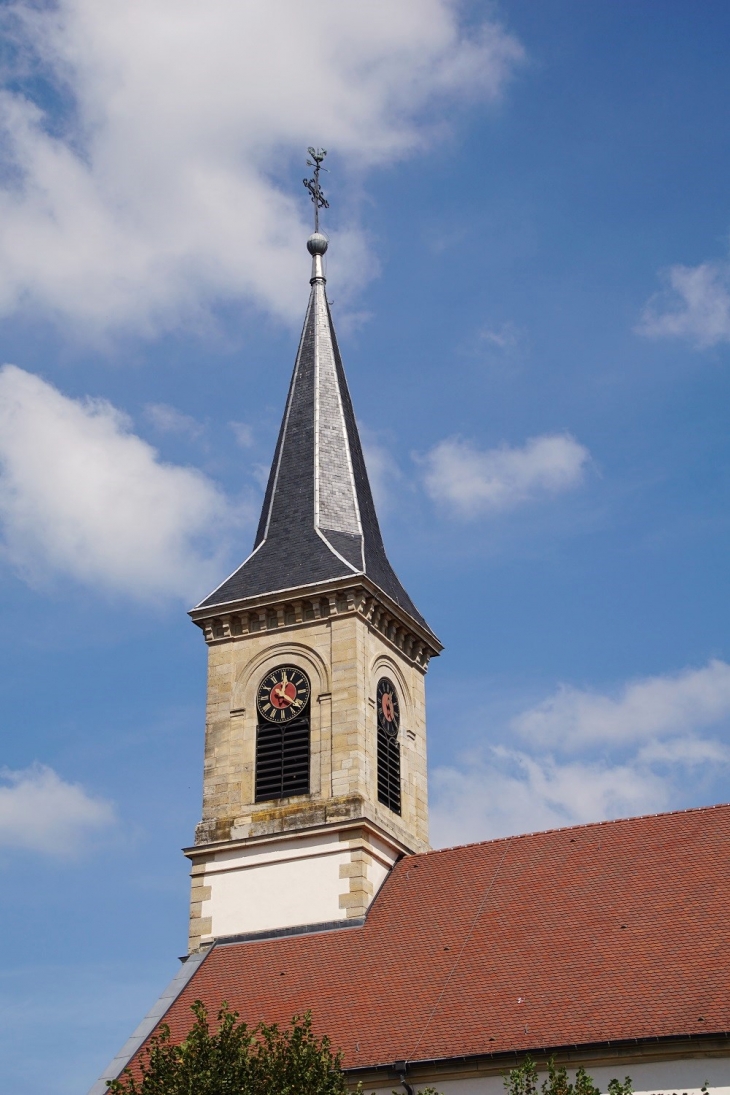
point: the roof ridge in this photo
(571, 828)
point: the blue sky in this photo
(529, 266)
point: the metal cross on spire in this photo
(316, 155)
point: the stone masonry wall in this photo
(343, 655)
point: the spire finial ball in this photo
(317, 243)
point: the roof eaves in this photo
(203, 612)
(512, 1056)
(202, 605)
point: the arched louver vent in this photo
(282, 736)
(282, 760)
(388, 745)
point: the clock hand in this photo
(280, 693)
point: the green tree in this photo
(523, 1080)
(234, 1059)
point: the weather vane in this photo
(316, 155)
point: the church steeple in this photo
(315, 742)
(318, 522)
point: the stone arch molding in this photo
(302, 656)
(385, 666)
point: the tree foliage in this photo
(235, 1059)
(523, 1080)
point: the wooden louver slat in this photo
(282, 760)
(388, 771)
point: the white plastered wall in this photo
(287, 883)
(682, 1076)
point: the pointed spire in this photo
(318, 522)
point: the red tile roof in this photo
(603, 932)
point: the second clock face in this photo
(283, 694)
(388, 707)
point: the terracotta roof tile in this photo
(604, 932)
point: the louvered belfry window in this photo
(282, 735)
(388, 710)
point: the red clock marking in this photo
(283, 695)
(387, 705)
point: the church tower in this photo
(315, 740)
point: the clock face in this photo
(283, 694)
(388, 707)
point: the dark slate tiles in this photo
(289, 549)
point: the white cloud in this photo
(260, 473)
(42, 813)
(651, 708)
(473, 481)
(506, 338)
(152, 194)
(243, 434)
(650, 747)
(691, 752)
(695, 305)
(167, 419)
(82, 495)
(384, 474)
(506, 791)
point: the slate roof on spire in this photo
(318, 521)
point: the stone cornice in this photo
(353, 825)
(295, 608)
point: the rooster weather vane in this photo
(316, 155)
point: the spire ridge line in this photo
(318, 521)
